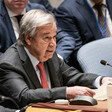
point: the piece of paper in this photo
(101, 92)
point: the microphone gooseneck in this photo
(4, 98)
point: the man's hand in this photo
(78, 90)
(106, 80)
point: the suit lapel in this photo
(89, 18)
(53, 75)
(29, 67)
(109, 6)
(7, 22)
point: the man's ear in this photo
(28, 39)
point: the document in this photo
(101, 92)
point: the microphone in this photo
(103, 62)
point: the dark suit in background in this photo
(7, 35)
(46, 4)
(23, 84)
(78, 28)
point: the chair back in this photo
(90, 55)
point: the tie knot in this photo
(98, 6)
(40, 65)
(18, 17)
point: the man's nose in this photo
(52, 42)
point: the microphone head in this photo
(103, 62)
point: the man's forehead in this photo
(46, 33)
(47, 29)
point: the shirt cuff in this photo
(97, 81)
(17, 111)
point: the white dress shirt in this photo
(13, 19)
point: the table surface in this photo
(100, 105)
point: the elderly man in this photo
(81, 21)
(11, 12)
(32, 72)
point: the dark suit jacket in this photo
(7, 35)
(3, 109)
(46, 4)
(78, 27)
(19, 78)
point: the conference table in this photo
(52, 107)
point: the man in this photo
(46, 4)
(79, 24)
(9, 27)
(22, 74)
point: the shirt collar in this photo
(92, 3)
(12, 14)
(34, 61)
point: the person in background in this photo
(46, 4)
(80, 22)
(35, 73)
(11, 12)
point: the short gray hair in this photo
(31, 21)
